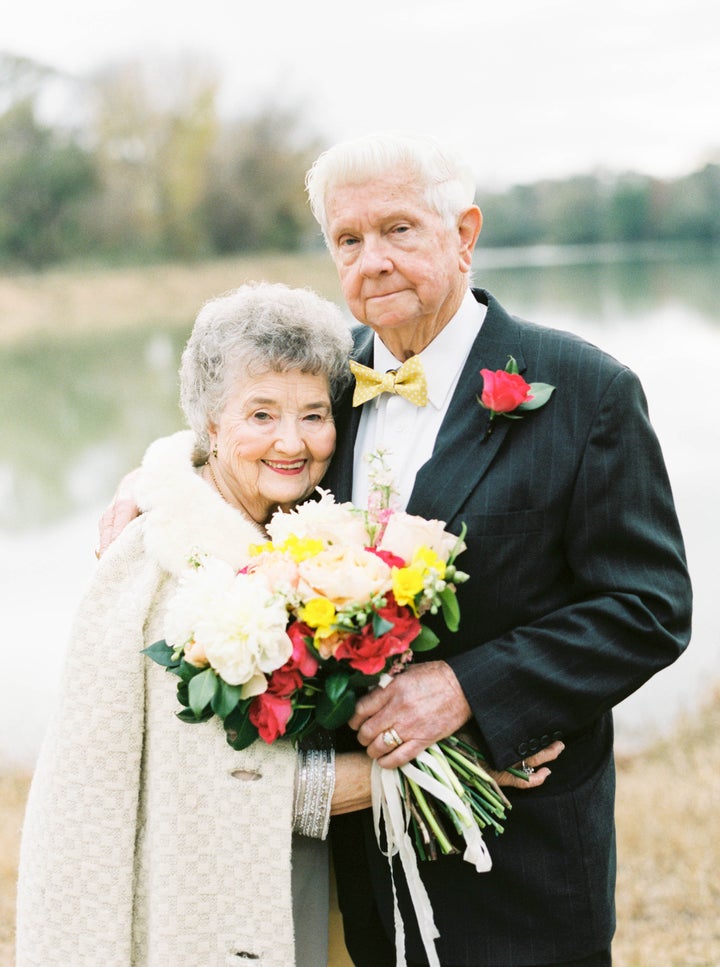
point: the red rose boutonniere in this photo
(505, 393)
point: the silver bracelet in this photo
(314, 786)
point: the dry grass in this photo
(76, 300)
(668, 842)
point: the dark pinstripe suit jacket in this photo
(579, 593)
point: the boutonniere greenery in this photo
(506, 393)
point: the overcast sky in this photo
(524, 88)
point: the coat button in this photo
(523, 749)
(557, 735)
(533, 745)
(545, 740)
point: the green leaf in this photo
(239, 730)
(512, 366)
(380, 625)
(457, 549)
(332, 714)
(226, 698)
(541, 394)
(426, 640)
(299, 721)
(187, 715)
(201, 690)
(162, 654)
(187, 672)
(336, 684)
(450, 609)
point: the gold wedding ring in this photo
(391, 738)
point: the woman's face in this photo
(274, 440)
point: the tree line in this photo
(142, 166)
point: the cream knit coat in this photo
(140, 847)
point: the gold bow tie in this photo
(408, 381)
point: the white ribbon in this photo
(388, 803)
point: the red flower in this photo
(369, 654)
(299, 666)
(301, 657)
(503, 392)
(270, 715)
(392, 560)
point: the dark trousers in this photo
(600, 959)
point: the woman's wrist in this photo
(314, 787)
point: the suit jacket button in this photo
(533, 745)
(544, 741)
(557, 735)
(523, 749)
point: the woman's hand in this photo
(352, 783)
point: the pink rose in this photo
(405, 533)
(270, 715)
(343, 575)
(194, 654)
(301, 664)
(301, 657)
(503, 392)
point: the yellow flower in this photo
(301, 548)
(406, 583)
(428, 560)
(319, 613)
(257, 549)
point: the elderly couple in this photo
(150, 842)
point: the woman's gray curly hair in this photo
(255, 328)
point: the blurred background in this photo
(153, 155)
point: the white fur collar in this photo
(182, 515)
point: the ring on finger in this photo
(391, 738)
(528, 770)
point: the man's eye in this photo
(314, 417)
(261, 416)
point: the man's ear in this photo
(469, 227)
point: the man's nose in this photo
(375, 258)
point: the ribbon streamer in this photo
(389, 805)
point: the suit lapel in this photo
(463, 450)
(339, 478)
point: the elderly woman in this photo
(146, 840)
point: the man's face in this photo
(402, 270)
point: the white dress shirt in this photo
(408, 432)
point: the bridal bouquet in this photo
(330, 606)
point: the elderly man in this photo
(578, 589)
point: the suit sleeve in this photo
(624, 610)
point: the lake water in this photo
(75, 413)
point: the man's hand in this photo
(423, 704)
(534, 767)
(118, 515)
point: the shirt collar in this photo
(444, 358)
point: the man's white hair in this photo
(446, 181)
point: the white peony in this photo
(323, 520)
(236, 619)
(199, 592)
